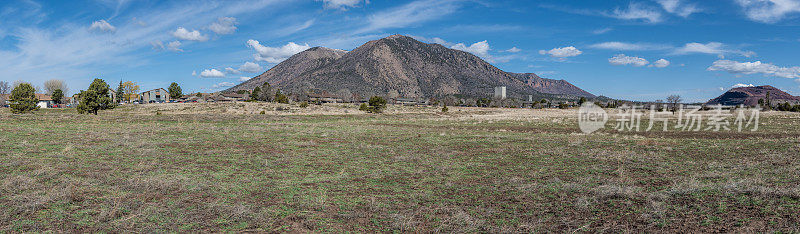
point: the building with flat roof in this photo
(155, 95)
(500, 92)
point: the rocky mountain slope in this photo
(402, 65)
(749, 96)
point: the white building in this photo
(500, 92)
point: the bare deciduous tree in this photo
(4, 88)
(53, 85)
(345, 95)
(674, 100)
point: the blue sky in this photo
(635, 50)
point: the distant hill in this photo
(749, 96)
(404, 65)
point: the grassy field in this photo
(206, 167)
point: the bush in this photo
(281, 98)
(444, 109)
(376, 105)
(303, 104)
(23, 99)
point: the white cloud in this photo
(289, 30)
(602, 31)
(250, 67)
(341, 4)
(513, 50)
(223, 85)
(157, 45)
(679, 7)
(769, 11)
(184, 34)
(563, 52)
(621, 60)
(711, 48)
(742, 85)
(102, 26)
(230, 70)
(624, 46)
(661, 63)
(481, 48)
(756, 67)
(244, 78)
(275, 54)
(213, 73)
(174, 46)
(409, 14)
(224, 25)
(636, 11)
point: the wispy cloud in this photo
(769, 11)
(637, 11)
(409, 15)
(679, 7)
(626, 46)
(71, 52)
(716, 48)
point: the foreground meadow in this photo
(227, 167)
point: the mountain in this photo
(410, 68)
(749, 96)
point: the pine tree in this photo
(23, 99)
(256, 95)
(95, 98)
(57, 96)
(120, 92)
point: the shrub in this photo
(444, 109)
(263, 112)
(281, 98)
(376, 105)
(23, 99)
(303, 104)
(95, 98)
(363, 107)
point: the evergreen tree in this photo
(175, 91)
(256, 95)
(57, 96)
(23, 99)
(120, 92)
(95, 98)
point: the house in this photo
(153, 96)
(235, 96)
(45, 101)
(410, 101)
(325, 97)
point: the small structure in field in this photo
(500, 92)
